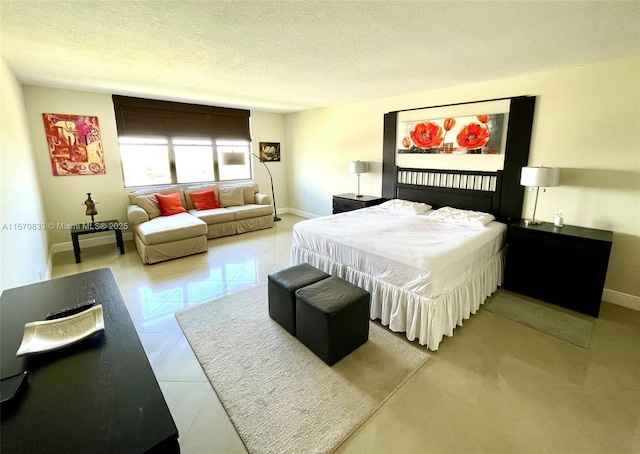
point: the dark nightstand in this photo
(566, 265)
(349, 202)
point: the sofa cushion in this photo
(170, 204)
(231, 196)
(149, 203)
(249, 191)
(262, 199)
(198, 188)
(164, 229)
(215, 216)
(250, 211)
(204, 200)
(165, 189)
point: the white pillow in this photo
(476, 218)
(405, 206)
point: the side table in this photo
(566, 265)
(96, 227)
(350, 202)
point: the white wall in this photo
(269, 127)
(23, 253)
(587, 122)
(64, 195)
(322, 142)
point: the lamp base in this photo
(276, 218)
(532, 222)
(359, 195)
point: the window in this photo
(169, 142)
(150, 161)
(144, 161)
(234, 158)
(194, 160)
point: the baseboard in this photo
(621, 299)
(303, 214)
(89, 242)
(49, 270)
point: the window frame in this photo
(171, 157)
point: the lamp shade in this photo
(358, 167)
(233, 159)
(540, 177)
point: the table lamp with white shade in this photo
(538, 177)
(358, 167)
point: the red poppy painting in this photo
(477, 134)
(75, 145)
(427, 135)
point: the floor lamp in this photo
(538, 177)
(273, 194)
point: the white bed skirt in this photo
(423, 318)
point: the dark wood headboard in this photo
(499, 192)
(468, 190)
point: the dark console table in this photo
(96, 227)
(97, 396)
(566, 265)
(350, 202)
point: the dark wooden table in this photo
(97, 396)
(566, 265)
(96, 227)
(350, 202)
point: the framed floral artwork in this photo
(470, 134)
(269, 151)
(75, 145)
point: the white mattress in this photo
(425, 275)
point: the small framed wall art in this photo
(269, 151)
(75, 145)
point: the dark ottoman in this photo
(282, 286)
(332, 318)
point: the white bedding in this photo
(425, 274)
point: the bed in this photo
(425, 273)
(426, 296)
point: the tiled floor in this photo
(495, 386)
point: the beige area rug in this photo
(551, 321)
(279, 395)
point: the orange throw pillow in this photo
(205, 200)
(170, 204)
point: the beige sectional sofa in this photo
(158, 238)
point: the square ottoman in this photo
(332, 318)
(282, 286)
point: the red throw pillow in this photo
(205, 200)
(170, 204)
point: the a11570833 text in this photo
(30, 226)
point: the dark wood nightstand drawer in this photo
(565, 266)
(341, 205)
(350, 202)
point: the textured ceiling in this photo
(290, 56)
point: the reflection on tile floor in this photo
(495, 386)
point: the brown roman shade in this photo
(150, 117)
